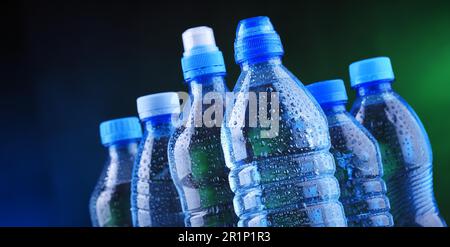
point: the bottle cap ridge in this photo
(120, 129)
(369, 70)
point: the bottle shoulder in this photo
(389, 107)
(339, 118)
(152, 153)
(185, 137)
(395, 125)
(347, 121)
(200, 119)
(150, 140)
(346, 129)
(292, 94)
(295, 122)
(108, 179)
(390, 98)
(354, 148)
(263, 75)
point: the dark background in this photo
(67, 65)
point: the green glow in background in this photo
(416, 36)
(71, 64)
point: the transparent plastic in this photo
(110, 202)
(406, 153)
(197, 162)
(287, 180)
(359, 169)
(154, 199)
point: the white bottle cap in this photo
(158, 104)
(197, 36)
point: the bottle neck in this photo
(267, 61)
(123, 149)
(161, 125)
(376, 87)
(334, 107)
(202, 85)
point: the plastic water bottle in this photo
(404, 144)
(195, 154)
(358, 159)
(110, 201)
(154, 199)
(281, 177)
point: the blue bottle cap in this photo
(369, 70)
(328, 91)
(120, 129)
(201, 55)
(158, 104)
(256, 38)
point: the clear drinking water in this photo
(195, 154)
(358, 159)
(110, 202)
(154, 199)
(286, 179)
(404, 144)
